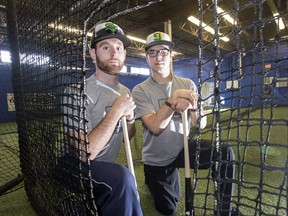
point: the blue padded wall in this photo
(5, 87)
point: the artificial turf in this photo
(259, 139)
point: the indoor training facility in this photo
(236, 52)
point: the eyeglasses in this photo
(154, 53)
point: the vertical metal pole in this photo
(168, 30)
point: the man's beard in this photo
(108, 68)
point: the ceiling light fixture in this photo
(67, 29)
(279, 21)
(75, 30)
(206, 27)
(226, 16)
(136, 39)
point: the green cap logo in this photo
(111, 26)
(157, 36)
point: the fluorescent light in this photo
(197, 22)
(279, 21)
(67, 29)
(136, 39)
(75, 30)
(226, 16)
(206, 27)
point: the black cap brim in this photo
(125, 40)
(168, 43)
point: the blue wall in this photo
(130, 80)
(250, 90)
(5, 87)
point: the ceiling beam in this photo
(189, 28)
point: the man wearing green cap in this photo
(107, 101)
(159, 101)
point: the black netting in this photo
(247, 103)
(251, 123)
(48, 43)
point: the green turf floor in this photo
(252, 155)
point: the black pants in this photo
(164, 183)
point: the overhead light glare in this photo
(136, 39)
(175, 53)
(5, 56)
(279, 21)
(67, 29)
(226, 16)
(206, 27)
(197, 22)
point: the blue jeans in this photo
(114, 190)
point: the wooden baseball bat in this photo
(188, 187)
(127, 147)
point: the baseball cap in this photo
(107, 30)
(158, 38)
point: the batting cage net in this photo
(252, 122)
(243, 86)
